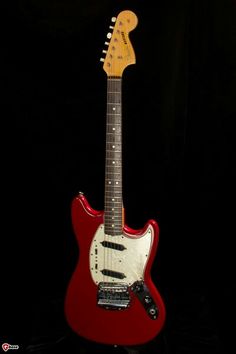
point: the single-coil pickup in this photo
(114, 246)
(113, 274)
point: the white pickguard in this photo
(131, 261)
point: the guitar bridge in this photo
(113, 296)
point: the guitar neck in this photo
(113, 163)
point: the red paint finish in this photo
(131, 326)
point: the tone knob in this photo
(147, 299)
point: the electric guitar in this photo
(111, 297)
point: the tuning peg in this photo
(111, 27)
(102, 59)
(104, 51)
(106, 43)
(109, 35)
(113, 19)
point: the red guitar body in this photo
(130, 326)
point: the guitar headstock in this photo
(119, 53)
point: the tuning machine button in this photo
(111, 27)
(102, 59)
(104, 51)
(109, 35)
(106, 43)
(113, 19)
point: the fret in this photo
(113, 203)
(115, 227)
(114, 186)
(117, 199)
(110, 155)
(112, 220)
(113, 124)
(115, 210)
(109, 215)
(110, 204)
(110, 158)
(113, 213)
(117, 193)
(113, 167)
(112, 174)
(113, 216)
(117, 196)
(113, 134)
(115, 103)
(108, 218)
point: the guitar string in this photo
(106, 186)
(106, 196)
(114, 86)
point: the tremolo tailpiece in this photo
(113, 296)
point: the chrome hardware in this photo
(113, 19)
(111, 27)
(104, 51)
(106, 43)
(147, 299)
(109, 35)
(141, 291)
(113, 296)
(102, 59)
(152, 311)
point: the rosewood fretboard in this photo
(113, 169)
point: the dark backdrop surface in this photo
(179, 160)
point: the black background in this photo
(179, 167)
